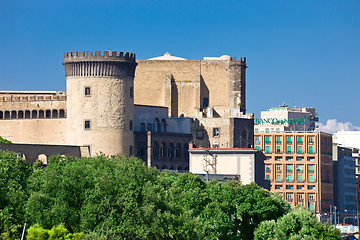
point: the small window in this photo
(205, 102)
(131, 92)
(199, 134)
(257, 140)
(267, 149)
(131, 125)
(149, 127)
(87, 125)
(87, 91)
(216, 132)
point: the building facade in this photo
(210, 91)
(245, 165)
(344, 182)
(285, 118)
(299, 166)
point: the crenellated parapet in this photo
(98, 64)
(240, 59)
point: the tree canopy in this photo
(120, 198)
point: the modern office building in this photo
(344, 182)
(285, 118)
(299, 166)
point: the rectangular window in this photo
(300, 140)
(289, 197)
(299, 158)
(311, 178)
(267, 140)
(310, 159)
(216, 132)
(149, 127)
(278, 186)
(87, 91)
(311, 207)
(300, 169)
(257, 140)
(289, 149)
(311, 140)
(256, 130)
(278, 149)
(278, 168)
(300, 187)
(289, 158)
(277, 158)
(311, 149)
(87, 125)
(267, 177)
(311, 187)
(267, 168)
(300, 179)
(311, 168)
(131, 125)
(300, 197)
(278, 130)
(267, 150)
(278, 178)
(257, 148)
(289, 178)
(289, 186)
(278, 141)
(289, 168)
(299, 149)
(289, 140)
(266, 130)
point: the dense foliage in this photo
(3, 140)
(120, 198)
(298, 224)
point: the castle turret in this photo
(100, 100)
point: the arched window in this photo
(163, 125)
(163, 150)
(157, 125)
(55, 113)
(62, 113)
(27, 114)
(1, 114)
(186, 152)
(21, 114)
(41, 114)
(33, 114)
(7, 114)
(48, 113)
(171, 153)
(155, 150)
(141, 150)
(178, 150)
(13, 114)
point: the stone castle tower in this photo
(100, 101)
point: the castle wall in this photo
(34, 131)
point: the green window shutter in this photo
(289, 149)
(300, 149)
(267, 149)
(311, 150)
(311, 178)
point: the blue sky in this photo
(304, 53)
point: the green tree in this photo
(14, 173)
(3, 140)
(298, 224)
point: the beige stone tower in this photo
(100, 101)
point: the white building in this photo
(245, 165)
(347, 138)
(285, 118)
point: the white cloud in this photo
(333, 126)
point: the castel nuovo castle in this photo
(151, 108)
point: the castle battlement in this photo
(99, 56)
(241, 59)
